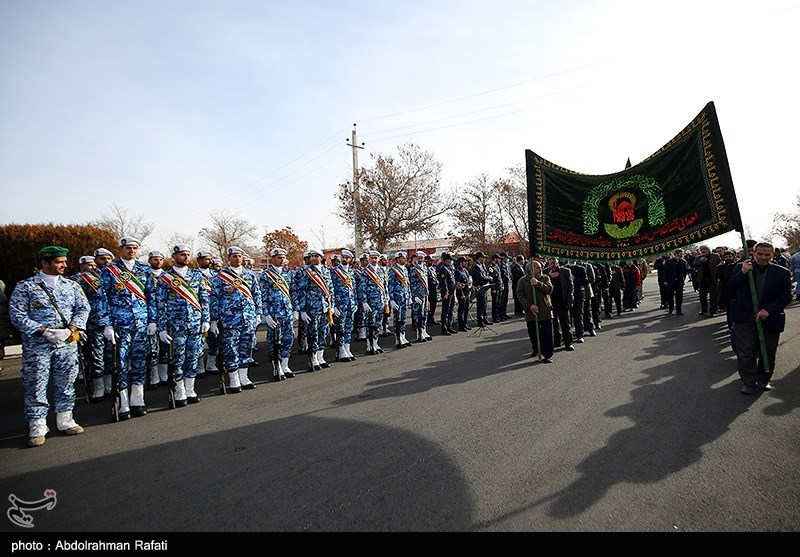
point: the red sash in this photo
(319, 280)
(129, 281)
(182, 289)
(345, 278)
(91, 278)
(233, 279)
(422, 278)
(279, 281)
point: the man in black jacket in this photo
(433, 289)
(517, 271)
(580, 282)
(675, 272)
(562, 299)
(480, 278)
(772, 284)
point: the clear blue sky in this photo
(176, 108)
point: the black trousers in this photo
(447, 313)
(432, 295)
(562, 329)
(616, 296)
(545, 337)
(463, 312)
(504, 301)
(675, 297)
(577, 316)
(748, 352)
(518, 309)
(481, 316)
(708, 291)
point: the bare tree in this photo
(121, 223)
(512, 200)
(226, 230)
(476, 222)
(787, 226)
(398, 196)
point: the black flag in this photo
(681, 194)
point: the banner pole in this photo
(535, 315)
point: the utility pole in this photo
(354, 144)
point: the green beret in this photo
(52, 251)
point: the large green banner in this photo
(681, 194)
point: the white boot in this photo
(404, 340)
(233, 382)
(314, 362)
(124, 406)
(98, 389)
(425, 335)
(378, 349)
(38, 429)
(211, 364)
(343, 357)
(321, 359)
(285, 367)
(362, 333)
(163, 374)
(191, 396)
(347, 351)
(244, 381)
(277, 372)
(154, 378)
(180, 393)
(66, 424)
(137, 400)
(108, 383)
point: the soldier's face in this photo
(278, 260)
(315, 259)
(156, 262)
(181, 258)
(129, 252)
(204, 262)
(102, 260)
(401, 260)
(87, 266)
(373, 260)
(55, 267)
(236, 259)
(346, 259)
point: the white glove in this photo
(152, 329)
(366, 307)
(164, 337)
(395, 306)
(337, 312)
(204, 327)
(108, 332)
(213, 328)
(305, 317)
(270, 322)
(82, 336)
(418, 301)
(57, 335)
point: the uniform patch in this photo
(38, 305)
(119, 286)
(229, 289)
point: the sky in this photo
(174, 109)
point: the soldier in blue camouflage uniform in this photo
(182, 309)
(209, 363)
(89, 280)
(235, 307)
(128, 285)
(399, 291)
(344, 292)
(302, 328)
(418, 279)
(277, 309)
(316, 304)
(361, 322)
(159, 350)
(103, 257)
(374, 300)
(50, 312)
(383, 269)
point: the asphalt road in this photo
(641, 429)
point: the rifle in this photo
(370, 332)
(336, 338)
(310, 340)
(276, 348)
(171, 377)
(220, 368)
(82, 368)
(116, 370)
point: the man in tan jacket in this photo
(533, 292)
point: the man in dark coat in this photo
(562, 299)
(534, 291)
(706, 265)
(675, 272)
(517, 271)
(772, 284)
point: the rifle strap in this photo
(75, 335)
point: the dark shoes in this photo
(580, 340)
(138, 411)
(569, 348)
(193, 399)
(765, 386)
(547, 360)
(747, 390)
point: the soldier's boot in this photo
(191, 396)
(108, 383)
(362, 333)
(343, 357)
(404, 341)
(285, 368)
(98, 390)
(378, 349)
(398, 343)
(321, 359)
(124, 407)
(211, 364)
(313, 363)
(234, 386)
(244, 380)
(37, 430)
(385, 331)
(66, 424)
(425, 336)
(370, 347)
(347, 351)
(137, 401)
(154, 381)
(303, 345)
(180, 394)
(163, 375)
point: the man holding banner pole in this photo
(533, 292)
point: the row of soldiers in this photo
(140, 327)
